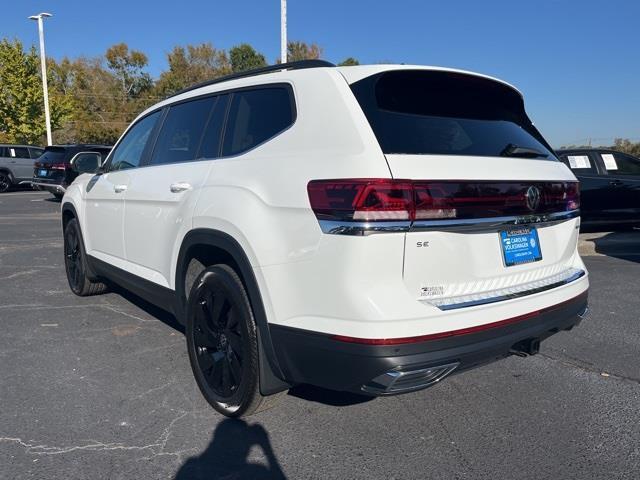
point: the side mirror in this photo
(86, 162)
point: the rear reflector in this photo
(455, 333)
(374, 200)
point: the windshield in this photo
(446, 113)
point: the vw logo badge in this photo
(533, 197)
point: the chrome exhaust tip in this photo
(407, 379)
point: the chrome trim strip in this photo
(363, 228)
(508, 296)
(50, 185)
(451, 225)
(484, 224)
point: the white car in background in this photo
(370, 229)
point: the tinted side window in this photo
(256, 116)
(579, 163)
(36, 152)
(128, 153)
(211, 142)
(20, 152)
(624, 165)
(3, 151)
(181, 132)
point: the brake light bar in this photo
(385, 200)
(57, 166)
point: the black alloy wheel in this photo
(5, 182)
(222, 342)
(73, 259)
(218, 341)
(75, 263)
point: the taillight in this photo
(375, 200)
(58, 166)
(361, 200)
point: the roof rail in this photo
(299, 65)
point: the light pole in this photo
(43, 65)
(283, 31)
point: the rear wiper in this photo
(513, 150)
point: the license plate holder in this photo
(520, 245)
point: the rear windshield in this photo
(432, 112)
(53, 154)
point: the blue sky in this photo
(576, 61)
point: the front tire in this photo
(222, 343)
(75, 263)
(5, 182)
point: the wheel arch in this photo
(68, 212)
(211, 246)
(9, 174)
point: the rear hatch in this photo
(495, 212)
(50, 167)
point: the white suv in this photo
(370, 229)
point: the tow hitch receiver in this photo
(529, 346)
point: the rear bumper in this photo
(378, 369)
(50, 187)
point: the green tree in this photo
(98, 114)
(190, 65)
(128, 67)
(349, 61)
(245, 57)
(626, 146)
(302, 51)
(21, 97)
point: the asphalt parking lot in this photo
(101, 387)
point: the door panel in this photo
(161, 198)
(104, 208)
(624, 185)
(157, 215)
(104, 196)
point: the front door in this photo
(623, 174)
(104, 196)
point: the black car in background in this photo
(54, 170)
(609, 186)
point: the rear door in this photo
(495, 210)
(161, 196)
(104, 194)
(623, 178)
(594, 185)
(20, 162)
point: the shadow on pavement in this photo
(156, 312)
(623, 245)
(327, 397)
(227, 456)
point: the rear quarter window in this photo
(256, 116)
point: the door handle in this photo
(119, 188)
(179, 187)
(615, 183)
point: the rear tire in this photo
(5, 182)
(75, 263)
(222, 342)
